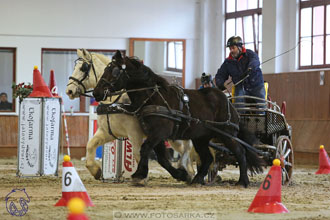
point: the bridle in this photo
(117, 72)
(85, 68)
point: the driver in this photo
(241, 63)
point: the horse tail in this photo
(255, 162)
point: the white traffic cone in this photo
(71, 185)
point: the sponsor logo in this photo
(17, 202)
(128, 156)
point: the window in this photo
(314, 35)
(174, 56)
(62, 61)
(244, 18)
(7, 73)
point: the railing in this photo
(257, 107)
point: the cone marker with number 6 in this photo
(72, 185)
(268, 198)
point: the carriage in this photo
(267, 122)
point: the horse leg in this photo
(184, 148)
(186, 161)
(213, 170)
(98, 139)
(201, 147)
(180, 173)
(137, 141)
(239, 152)
(146, 148)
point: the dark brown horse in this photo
(169, 112)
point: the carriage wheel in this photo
(284, 152)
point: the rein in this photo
(187, 117)
(154, 88)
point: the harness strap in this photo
(78, 81)
(183, 99)
(246, 145)
(116, 108)
(157, 110)
(109, 128)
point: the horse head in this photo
(88, 69)
(124, 73)
(114, 78)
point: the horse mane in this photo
(147, 75)
(104, 59)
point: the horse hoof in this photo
(196, 185)
(216, 179)
(98, 174)
(198, 181)
(189, 179)
(139, 182)
(242, 183)
(183, 175)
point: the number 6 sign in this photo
(268, 198)
(72, 185)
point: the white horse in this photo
(88, 70)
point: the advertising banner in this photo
(118, 162)
(109, 160)
(29, 137)
(51, 135)
(129, 164)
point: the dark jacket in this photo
(6, 106)
(237, 68)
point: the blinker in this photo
(115, 72)
(84, 67)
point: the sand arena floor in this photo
(308, 197)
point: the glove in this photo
(221, 87)
(247, 72)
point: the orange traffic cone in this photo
(76, 208)
(40, 88)
(324, 161)
(268, 198)
(52, 85)
(72, 185)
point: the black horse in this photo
(170, 112)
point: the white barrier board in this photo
(109, 160)
(39, 134)
(129, 163)
(118, 161)
(29, 136)
(51, 136)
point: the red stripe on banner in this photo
(95, 127)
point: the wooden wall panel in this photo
(323, 98)
(306, 99)
(308, 135)
(309, 87)
(8, 131)
(298, 95)
(77, 127)
(78, 130)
